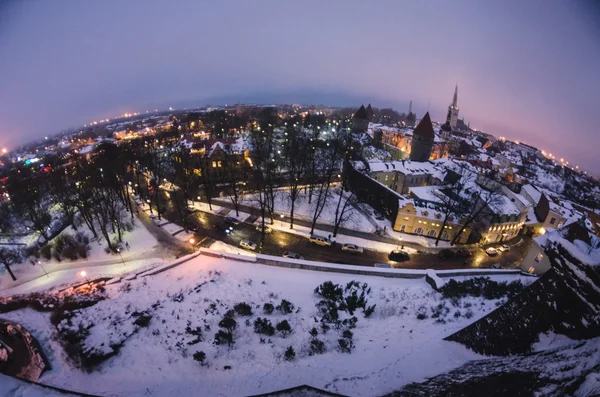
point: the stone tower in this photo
(453, 110)
(422, 141)
(360, 123)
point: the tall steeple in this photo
(452, 117)
(455, 99)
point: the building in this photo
(575, 235)
(452, 117)
(423, 140)
(221, 157)
(401, 176)
(360, 123)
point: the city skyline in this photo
(515, 72)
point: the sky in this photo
(526, 70)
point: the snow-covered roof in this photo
(532, 192)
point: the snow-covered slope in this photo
(393, 347)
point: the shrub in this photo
(316, 347)
(289, 354)
(346, 344)
(285, 307)
(268, 308)
(228, 323)
(369, 310)
(196, 332)
(313, 332)
(222, 338)
(469, 314)
(350, 322)
(328, 310)
(263, 326)
(330, 291)
(284, 328)
(201, 358)
(481, 286)
(243, 309)
(143, 319)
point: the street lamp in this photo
(121, 256)
(400, 242)
(192, 241)
(84, 275)
(281, 219)
(40, 263)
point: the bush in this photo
(263, 326)
(481, 286)
(46, 251)
(285, 307)
(330, 291)
(369, 310)
(316, 347)
(143, 319)
(222, 338)
(201, 358)
(197, 332)
(243, 309)
(268, 308)
(284, 328)
(346, 343)
(313, 332)
(228, 323)
(328, 310)
(289, 354)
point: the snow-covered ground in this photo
(393, 347)
(143, 250)
(304, 210)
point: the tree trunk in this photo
(7, 266)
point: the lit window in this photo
(539, 257)
(219, 162)
(214, 164)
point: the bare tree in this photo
(295, 163)
(9, 257)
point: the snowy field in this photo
(392, 346)
(142, 250)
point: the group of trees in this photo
(304, 158)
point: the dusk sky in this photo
(527, 70)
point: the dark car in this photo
(398, 256)
(223, 228)
(446, 254)
(231, 220)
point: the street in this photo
(278, 241)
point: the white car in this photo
(504, 248)
(352, 248)
(319, 240)
(268, 229)
(248, 245)
(491, 251)
(291, 255)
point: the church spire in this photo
(455, 99)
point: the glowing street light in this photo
(84, 275)
(192, 241)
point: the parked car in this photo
(248, 245)
(231, 220)
(355, 249)
(319, 240)
(504, 248)
(496, 266)
(383, 265)
(462, 253)
(398, 256)
(190, 210)
(291, 255)
(446, 254)
(222, 227)
(268, 229)
(491, 251)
